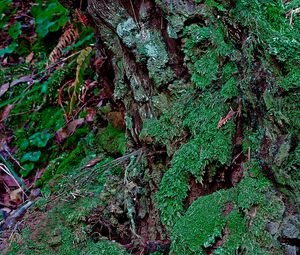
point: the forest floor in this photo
(214, 169)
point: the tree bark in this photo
(203, 94)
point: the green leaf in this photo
(31, 156)
(51, 18)
(27, 169)
(15, 30)
(24, 145)
(39, 139)
(9, 49)
(4, 5)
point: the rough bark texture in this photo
(209, 89)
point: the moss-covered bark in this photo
(210, 89)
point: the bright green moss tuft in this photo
(111, 140)
(208, 146)
(208, 219)
(239, 215)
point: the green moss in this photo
(287, 173)
(208, 146)
(65, 162)
(79, 133)
(246, 49)
(289, 106)
(230, 214)
(229, 88)
(199, 229)
(59, 237)
(51, 169)
(173, 190)
(291, 80)
(111, 140)
(206, 69)
(73, 159)
(272, 29)
(64, 229)
(195, 36)
(104, 247)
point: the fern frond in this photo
(69, 37)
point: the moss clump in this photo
(212, 57)
(207, 146)
(111, 140)
(104, 247)
(64, 229)
(238, 216)
(198, 229)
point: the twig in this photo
(291, 13)
(134, 15)
(97, 171)
(6, 205)
(7, 171)
(5, 148)
(233, 161)
(31, 78)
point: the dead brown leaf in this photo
(64, 133)
(29, 57)
(16, 196)
(117, 120)
(93, 162)
(5, 113)
(6, 86)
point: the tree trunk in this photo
(208, 91)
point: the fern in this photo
(69, 37)
(82, 64)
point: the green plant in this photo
(29, 147)
(49, 18)
(196, 113)
(4, 9)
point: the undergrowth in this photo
(237, 109)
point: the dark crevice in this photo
(102, 227)
(290, 241)
(220, 181)
(132, 7)
(218, 242)
(197, 19)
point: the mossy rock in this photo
(237, 216)
(111, 140)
